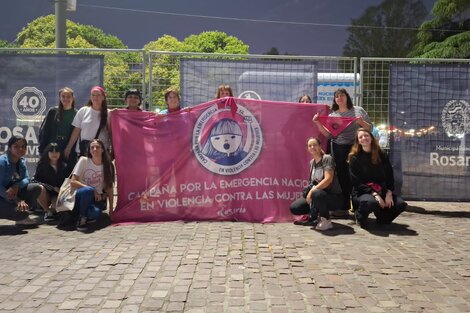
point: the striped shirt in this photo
(348, 135)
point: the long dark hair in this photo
(335, 105)
(60, 116)
(108, 168)
(375, 150)
(44, 160)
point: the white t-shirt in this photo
(88, 120)
(89, 173)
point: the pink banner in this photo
(228, 159)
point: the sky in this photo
(303, 27)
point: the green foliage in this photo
(165, 70)
(41, 33)
(6, 44)
(447, 35)
(118, 73)
(215, 42)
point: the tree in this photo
(165, 70)
(6, 44)
(215, 42)
(41, 33)
(118, 73)
(386, 30)
(447, 35)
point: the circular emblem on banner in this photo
(226, 142)
(249, 94)
(29, 102)
(456, 118)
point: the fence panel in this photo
(424, 106)
(208, 71)
(123, 69)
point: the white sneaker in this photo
(324, 224)
(26, 221)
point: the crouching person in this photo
(17, 193)
(93, 177)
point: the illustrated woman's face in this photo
(313, 147)
(173, 101)
(364, 139)
(226, 143)
(67, 99)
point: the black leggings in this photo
(340, 155)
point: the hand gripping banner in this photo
(227, 159)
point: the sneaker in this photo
(82, 225)
(49, 216)
(324, 224)
(26, 221)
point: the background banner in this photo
(29, 87)
(430, 119)
(227, 159)
(254, 79)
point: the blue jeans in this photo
(85, 204)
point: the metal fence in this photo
(167, 72)
(123, 68)
(128, 68)
(375, 80)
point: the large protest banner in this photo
(249, 79)
(29, 86)
(430, 118)
(228, 159)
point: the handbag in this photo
(66, 196)
(306, 190)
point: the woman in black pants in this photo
(372, 180)
(325, 193)
(342, 143)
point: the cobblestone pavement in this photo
(419, 264)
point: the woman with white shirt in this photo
(93, 177)
(90, 122)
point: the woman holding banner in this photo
(172, 101)
(342, 141)
(372, 181)
(91, 122)
(224, 91)
(323, 192)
